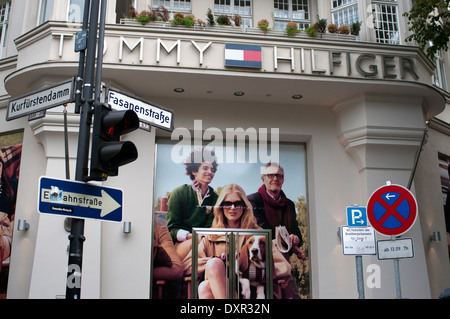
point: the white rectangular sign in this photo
(395, 249)
(358, 240)
(147, 112)
(43, 99)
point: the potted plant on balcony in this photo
(321, 25)
(180, 19)
(344, 29)
(291, 28)
(355, 27)
(263, 25)
(210, 17)
(145, 16)
(223, 19)
(332, 28)
(237, 19)
(311, 31)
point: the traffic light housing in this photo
(108, 152)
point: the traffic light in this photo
(108, 152)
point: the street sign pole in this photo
(392, 211)
(76, 236)
(360, 276)
(398, 287)
(357, 216)
(81, 59)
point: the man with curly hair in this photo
(191, 205)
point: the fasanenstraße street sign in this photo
(42, 99)
(79, 200)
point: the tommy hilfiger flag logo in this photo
(243, 55)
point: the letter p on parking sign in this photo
(356, 216)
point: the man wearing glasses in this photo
(271, 206)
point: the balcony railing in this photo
(239, 30)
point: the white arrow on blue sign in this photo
(79, 200)
(356, 216)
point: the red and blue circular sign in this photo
(392, 210)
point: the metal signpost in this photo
(83, 103)
(392, 211)
(77, 199)
(358, 239)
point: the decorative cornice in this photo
(440, 126)
(49, 131)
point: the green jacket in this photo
(184, 212)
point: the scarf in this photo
(277, 212)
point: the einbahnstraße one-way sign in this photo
(79, 199)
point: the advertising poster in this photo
(10, 155)
(215, 194)
(444, 161)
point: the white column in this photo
(382, 134)
(49, 271)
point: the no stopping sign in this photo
(392, 210)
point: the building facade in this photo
(343, 113)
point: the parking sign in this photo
(356, 216)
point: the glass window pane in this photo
(76, 9)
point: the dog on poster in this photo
(252, 266)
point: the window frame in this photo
(172, 5)
(344, 13)
(4, 24)
(387, 32)
(45, 11)
(246, 17)
(281, 21)
(439, 72)
(81, 12)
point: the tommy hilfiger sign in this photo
(318, 59)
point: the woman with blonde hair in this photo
(232, 210)
(225, 216)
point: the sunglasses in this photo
(237, 204)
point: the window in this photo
(123, 7)
(76, 11)
(174, 5)
(439, 72)
(344, 12)
(4, 21)
(45, 10)
(231, 7)
(385, 17)
(291, 10)
(239, 163)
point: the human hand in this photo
(294, 239)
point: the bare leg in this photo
(215, 274)
(204, 290)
